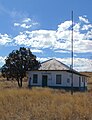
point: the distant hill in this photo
(87, 73)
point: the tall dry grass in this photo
(44, 104)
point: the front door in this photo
(44, 80)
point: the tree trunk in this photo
(19, 82)
(7, 79)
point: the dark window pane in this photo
(68, 80)
(35, 78)
(58, 79)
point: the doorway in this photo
(44, 80)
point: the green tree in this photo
(17, 63)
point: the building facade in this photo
(55, 74)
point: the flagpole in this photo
(72, 56)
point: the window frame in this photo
(59, 81)
(68, 80)
(35, 78)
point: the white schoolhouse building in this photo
(53, 73)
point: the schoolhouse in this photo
(55, 74)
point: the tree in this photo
(17, 63)
(5, 72)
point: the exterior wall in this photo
(51, 82)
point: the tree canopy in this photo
(17, 63)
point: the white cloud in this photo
(25, 26)
(21, 39)
(58, 40)
(62, 51)
(77, 27)
(83, 64)
(26, 20)
(16, 24)
(36, 51)
(86, 27)
(43, 59)
(26, 23)
(5, 39)
(35, 23)
(83, 45)
(64, 26)
(83, 19)
(37, 39)
(2, 61)
(80, 64)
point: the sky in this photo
(44, 26)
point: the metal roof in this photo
(56, 65)
(53, 64)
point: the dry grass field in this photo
(43, 103)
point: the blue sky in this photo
(44, 26)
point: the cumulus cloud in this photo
(83, 19)
(26, 20)
(37, 39)
(77, 27)
(86, 27)
(80, 64)
(2, 60)
(25, 23)
(36, 51)
(25, 26)
(58, 40)
(16, 24)
(5, 39)
(62, 51)
(64, 26)
(83, 64)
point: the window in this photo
(68, 80)
(35, 78)
(83, 79)
(58, 79)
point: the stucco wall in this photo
(52, 78)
